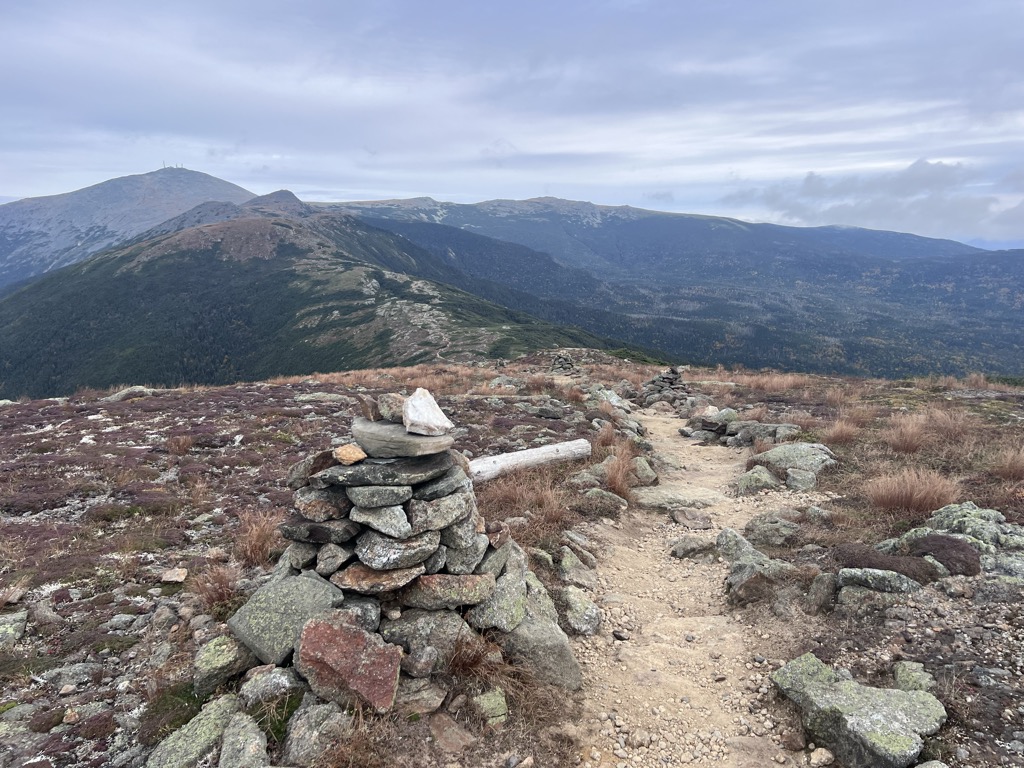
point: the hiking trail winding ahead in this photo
(687, 683)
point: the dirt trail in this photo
(688, 684)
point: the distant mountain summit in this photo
(40, 234)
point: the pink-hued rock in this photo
(423, 416)
(342, 662)
(367, 581)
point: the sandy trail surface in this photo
(687, 682)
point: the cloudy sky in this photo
(905, 115)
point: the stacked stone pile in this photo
(667, 387)
(391, 568)
(562, 364)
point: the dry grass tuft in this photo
(575, 394)
(179, 445)
(536, 493)
(861, 415)
(757, 413)
(949, 424)
(915, 491)
(1009, 464)
(802, 419)
(906, 433)
(218, 590)
(774, 382)
(605, 438)
(620, 470)
(841, 433)
(258, 539)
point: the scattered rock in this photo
(312, 730)
(865, 727)
(244, 744)
(756, 480)
(582, 616)
(198, 738)
(218, 661)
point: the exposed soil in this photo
(689, 685)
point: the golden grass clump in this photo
(913, 490)
(841, 432)
(774, 382)
(620, 469)
(258, 539)
(1009, 464)
(906, 433)
(218, 591)
(535, 493)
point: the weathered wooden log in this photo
(490, 467)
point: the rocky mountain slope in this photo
(262, 289)
(41, 234)
(708, 289)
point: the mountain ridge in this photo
(40, 234)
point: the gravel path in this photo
(687, 682)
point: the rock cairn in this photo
(667, 387)
(563, 364)
(391, 568)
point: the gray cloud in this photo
(803, 112)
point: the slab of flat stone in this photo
(300, 472)
(464, 560)
(332, 531)
(391, 521)
(270, 622)
(368, 581)
(409, 471)
(865, 727)
(371, 496)
(321, 504)
(810, 457)
(445, 591)
(452, 481)
(661, 499)
(384, 440)
(421, 415)
(440, 513)
(385, 553)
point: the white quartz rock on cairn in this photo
(423, 416)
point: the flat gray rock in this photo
(371, 496)
(810, 457)
(439, 513)
(384, 440)
(409, 471)
(453, 481)
(876, 580)
(270, 622)
(384, 553)
(865, 727)
(391, 521)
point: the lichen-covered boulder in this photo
(270, 622)
(865, 727)
(199, 738)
